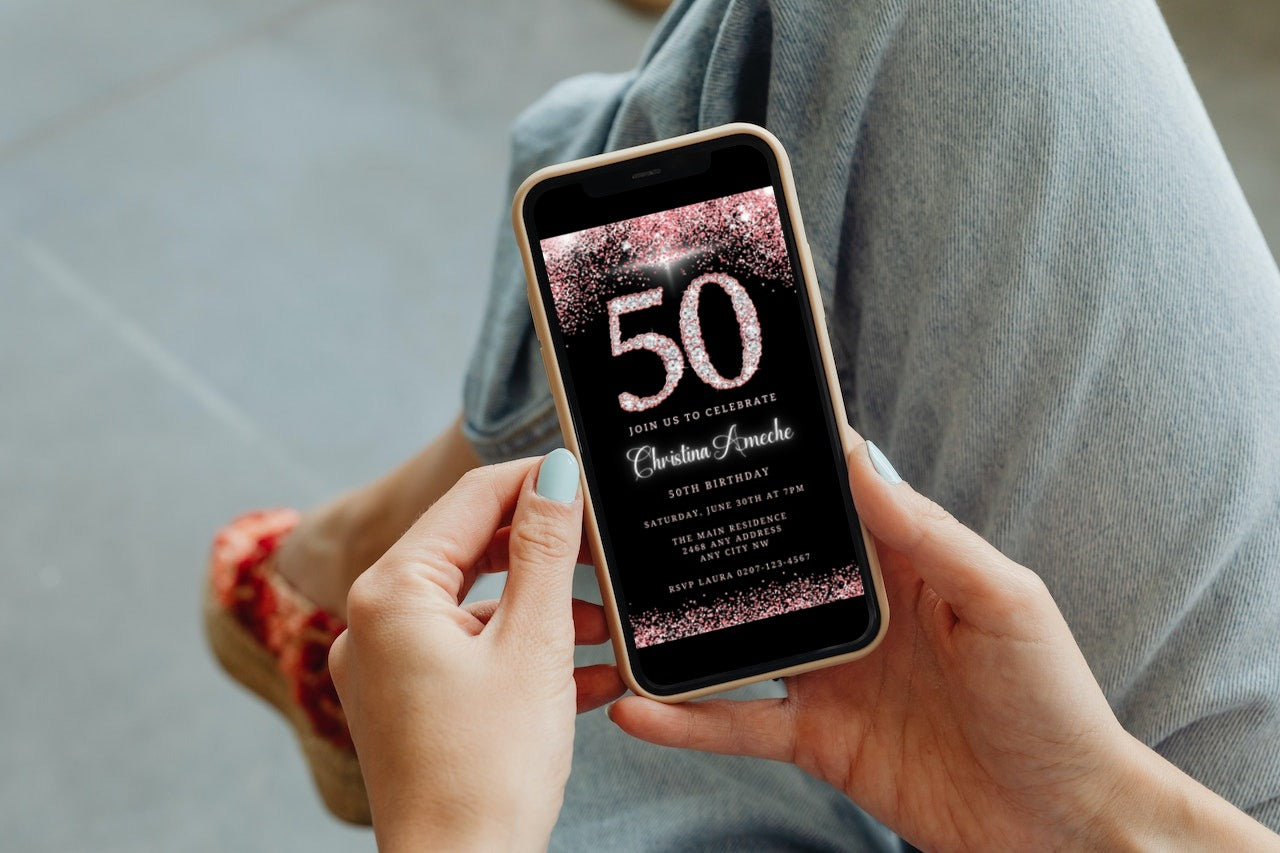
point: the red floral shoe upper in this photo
(296, 632)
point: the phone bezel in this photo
(640, 174)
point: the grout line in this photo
(55, 272)
(133, 89)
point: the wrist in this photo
(480, 824)
(1137, 806)
(1152, 805)
(424, 833)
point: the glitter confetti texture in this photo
(666, 348)
(588, 268)
(712, 613)
(744, 311)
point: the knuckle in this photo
(929, 523)
(433, 557)
(478, 479)
(338, 660)
(399, 576)
(475, 475)
(1018, 595)
(935, 524)
(365, 599)
(936, 515)
(445, 575)
(689, 736)
(1029, 586)
(735, 731)
(542, 540)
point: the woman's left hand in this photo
(463, 715)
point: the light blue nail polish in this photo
(882, 465)
(558, 477)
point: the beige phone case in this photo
(566, 422)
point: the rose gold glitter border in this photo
(742, 606)
(587, 268)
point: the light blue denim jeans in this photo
(1050, 305)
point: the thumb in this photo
(962, 568)
(763, 728)
(546, 531)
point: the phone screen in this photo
(685, 336)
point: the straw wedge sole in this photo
(336, 771)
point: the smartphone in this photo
(684, 339)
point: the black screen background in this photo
(820, 522)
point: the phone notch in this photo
(647, 172)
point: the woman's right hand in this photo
(977, 722)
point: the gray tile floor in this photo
(243, 248)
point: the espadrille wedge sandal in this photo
(275, 642)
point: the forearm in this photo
(1158, 807)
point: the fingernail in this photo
(558, 477)
(882, 465)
